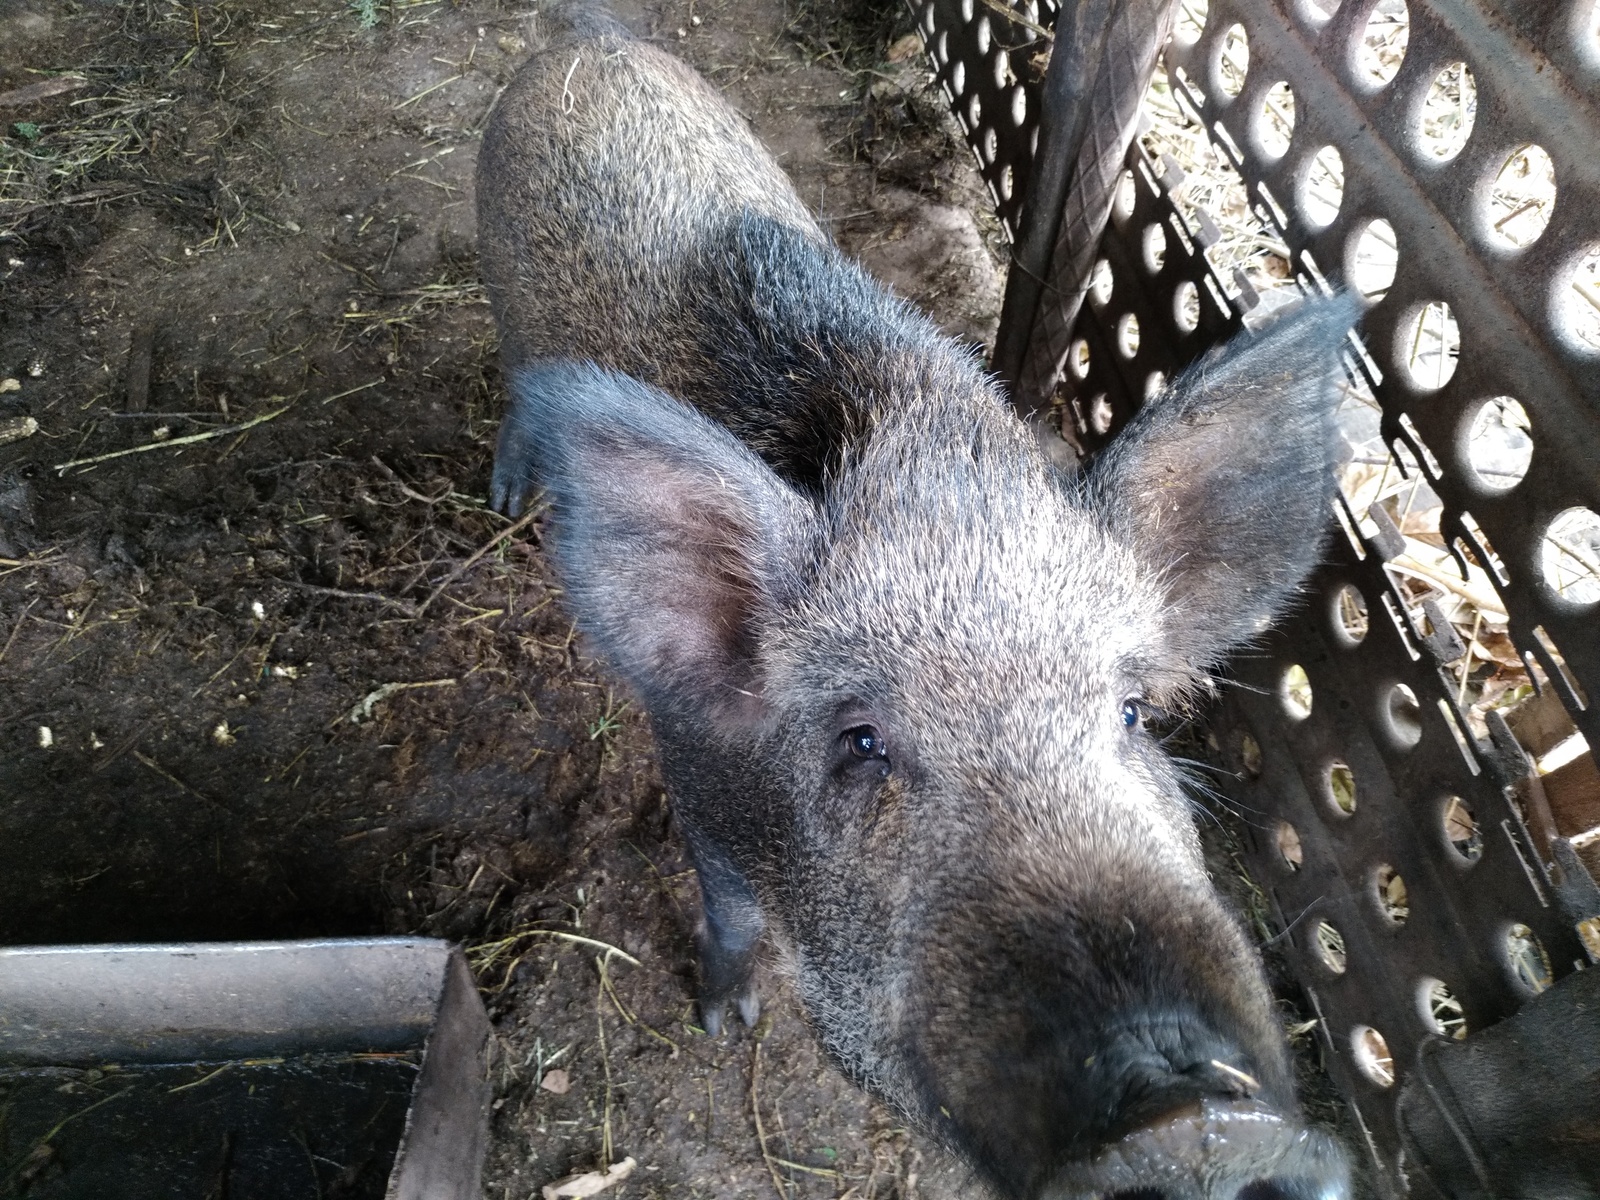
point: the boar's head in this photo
(903, 718)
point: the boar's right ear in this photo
(673, 538)
(1224, 483)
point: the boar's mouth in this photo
(1211, 1150)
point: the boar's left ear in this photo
(673, 538)
(1224, 483)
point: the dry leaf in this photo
(904, 48)
(557, 1081)
(590, 1182)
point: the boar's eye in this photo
(864, 741)
(1132, 713)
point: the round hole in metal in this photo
(1341, 787)
(1330, 947)
(1429, 345)
(1275, 121)
(1522, 198)
(1589, 35)
(1287, 838)
(1101, 283)
(958, 77)
(1233, 61)
(1128, 336)
(1374, 259)
(974, 111)
(1153, 245)
(1122, 204)
(991, 140)
(1461, 829)
(941, 48)
(981, 35)
(1295, 690)
(1319, 11)
(966, 11)
(1530, 965)
(1008, 182)
(1383, 43)
(1570, 556)
(1078, 358)
(1499, 443)
(1250, 755)
(1186, 306)
(1191, 21)
(1440, 1010)
(1349, 615)
(1100, 414)
(1000, 66)
(1578, 308)
(929, 21)
(1394, 902)
(1371, 1052)
(1153, 383)
(1448, 113)
(1019, 106)
(1321, 189)
(1404, 715)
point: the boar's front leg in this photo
(726, 938)
(676, 544)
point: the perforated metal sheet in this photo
(990, 59)
(1472, 880)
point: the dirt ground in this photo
(268, 667)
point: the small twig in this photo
(360, 387)
(222, 431)
(576, 939)
(362, 710)
(42, 90)
(627, 1014)
(1016, 18)
(1466, 659)
(761, 1132)
(389, 474)
(62, 1124)
(605, 1062)
(184, 1087)
(342, 594)
(17, 628)
(503, 535)
(824, 1172)
(425, 91)
(180, 784)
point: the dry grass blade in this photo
(188, 440)
(761, 1130)
(32, 93)
(519, 524)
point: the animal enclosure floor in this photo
(268, 668)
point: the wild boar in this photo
(897, 664)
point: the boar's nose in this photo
(1212, 1150)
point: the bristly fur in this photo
(893, 659)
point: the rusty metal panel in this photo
(1483, 917)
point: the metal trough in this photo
(340, 1067)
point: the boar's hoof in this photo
(713, 1012)
(513, 483)
(1210, 1150)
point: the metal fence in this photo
(1426, 876)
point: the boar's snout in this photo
(1211, 1150)
(1112, 1041)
